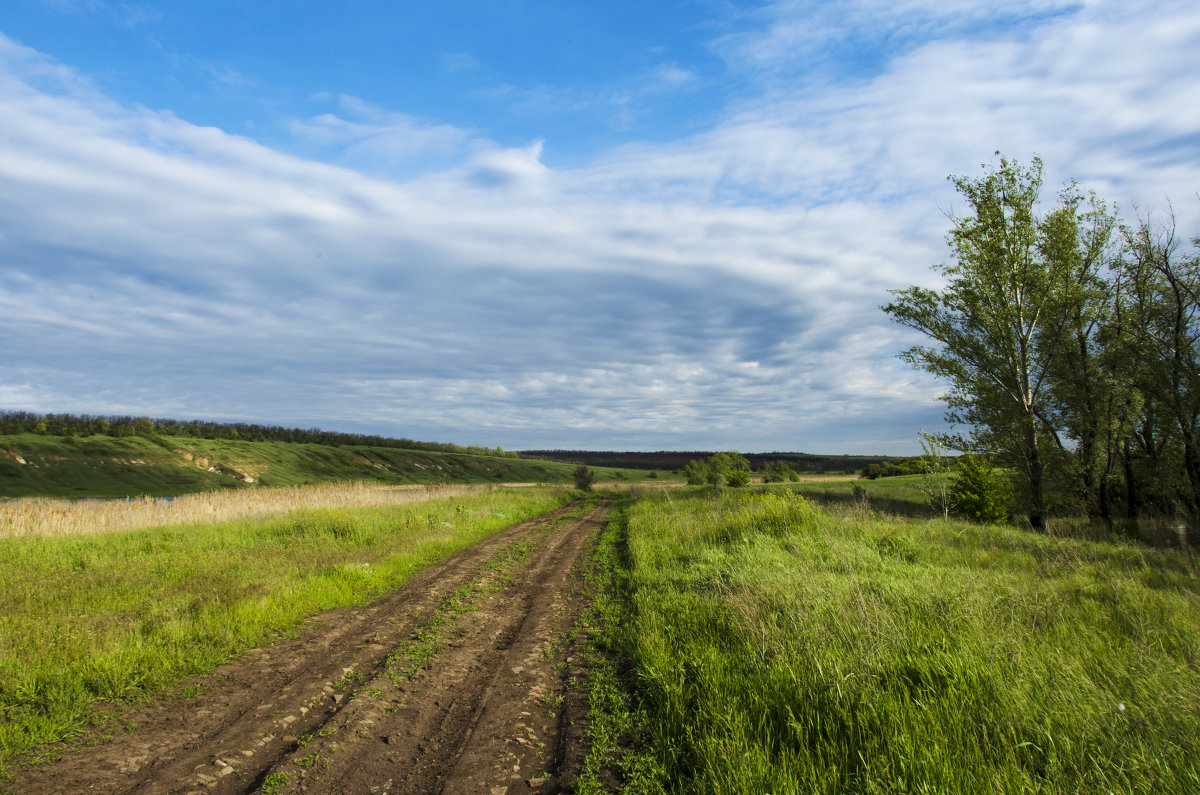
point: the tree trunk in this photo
(1191, 460)
(1037, 497)
(1132, 499)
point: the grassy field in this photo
(60, 517)
(119, 615)
(103, 466)
(778, 647)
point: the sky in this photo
(540, 224)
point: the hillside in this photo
(106, 466)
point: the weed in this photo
(273, 783)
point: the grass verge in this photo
(618, 753)
(123, 615)
(777, 648)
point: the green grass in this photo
(780, 648)
(616, 724)
(123, 615)
(902, 495)
(103, 466)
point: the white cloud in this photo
(379, 141)
(720, 290)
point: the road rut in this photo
(458, 682)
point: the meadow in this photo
(743, 640)
(774, 646)
(116, 616)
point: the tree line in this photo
(14, 422)
(1070, 341)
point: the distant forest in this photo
(673, 460)
(13, 422)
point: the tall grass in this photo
(779, 649)
(121, 615)
(51, 517)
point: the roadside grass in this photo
(119, 616)
(616, 733)
(777, 648)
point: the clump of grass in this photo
(121, 615)
(778, 649)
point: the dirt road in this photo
(456, 683)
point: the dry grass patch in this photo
(51, 517)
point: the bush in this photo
(584, 478)
(737, 478)
(721, 469)
(779, 472)
(979, 492)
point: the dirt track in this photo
(456, 683)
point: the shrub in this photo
(979, 492)
(584, 478)
(779, 472)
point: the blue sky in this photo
(539, 224)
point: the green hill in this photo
(106, 466)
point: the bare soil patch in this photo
(458, 682)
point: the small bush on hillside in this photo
(584, 478)
(979, 492)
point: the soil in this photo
(465, 680)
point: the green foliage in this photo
(979, 492)
(779, 472)
(1000, 324)
(777, 648)
(896, 467)
(584, 477)
(737, 478)
(1070, 350)
(720, 469)
(15, 422)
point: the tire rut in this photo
(402, 695)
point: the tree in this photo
(719, 469)
(696, 473)
(1001, 321)
(934, 466)
(1162, 297)
(729, 469)
(1087, 401)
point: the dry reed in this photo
(53, 517)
